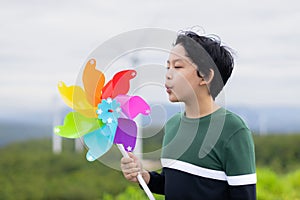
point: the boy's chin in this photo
(173, 100)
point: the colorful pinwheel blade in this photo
(119, 84)
(101, 124)
(126, 134)
(75, 98)
(100, 141)
(76, 125)
(93, 81)
(133, 105)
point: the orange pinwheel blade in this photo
(75, 98)
(119, 84)
(93, 81)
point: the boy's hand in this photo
(131, 167)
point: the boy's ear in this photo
(207, 80)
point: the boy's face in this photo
(182, 82)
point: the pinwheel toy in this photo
(103, 114)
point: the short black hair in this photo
(208, 53)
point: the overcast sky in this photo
(42, 42)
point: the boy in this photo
(208, 152)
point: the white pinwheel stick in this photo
(139, 176)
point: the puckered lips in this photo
(168, 89)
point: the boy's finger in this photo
(130, 170)
(131, 155)
(126, 160)
(131, 177)
(129, 166)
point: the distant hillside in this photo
(12, 131)
(261, 120)
(266, 120)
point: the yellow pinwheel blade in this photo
(75, 98)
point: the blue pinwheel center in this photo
(109, 111)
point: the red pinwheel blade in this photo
(119, 84)
(126, 134)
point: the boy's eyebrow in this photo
(176, 60)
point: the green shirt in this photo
(218, 146)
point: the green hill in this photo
(29, 170)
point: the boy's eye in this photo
(175, 67)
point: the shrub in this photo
(281, 152)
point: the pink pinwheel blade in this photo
(126, 134)
(133, 105)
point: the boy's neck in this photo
(200, 107)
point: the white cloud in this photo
(42, 42)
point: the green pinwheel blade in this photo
(77, 125)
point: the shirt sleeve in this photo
(240, 159)
(157, 182)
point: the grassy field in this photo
(29, 170)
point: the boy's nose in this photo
(168, 75)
